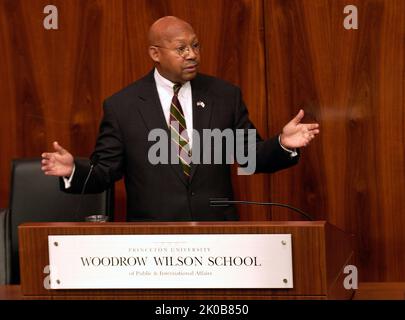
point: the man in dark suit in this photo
(173, 93)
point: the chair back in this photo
(35, 197)
(5, 268)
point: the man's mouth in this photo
(191, 67)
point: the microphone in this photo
(94, 159)
(224, 202)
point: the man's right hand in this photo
(59, 163)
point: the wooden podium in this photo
(320, 252)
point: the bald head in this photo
(174, 48)
(167, 28)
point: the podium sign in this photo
(170, 261)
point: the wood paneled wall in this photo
(352, 82)
(284, 54)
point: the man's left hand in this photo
(296, 134)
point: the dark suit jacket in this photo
(160, 192)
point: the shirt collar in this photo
(162, 82)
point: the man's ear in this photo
(154, 53)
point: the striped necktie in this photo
(178, 129)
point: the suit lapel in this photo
(153, 116)
(202, 111)
(151, 109)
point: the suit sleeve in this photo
(270, 156)
(109, 151)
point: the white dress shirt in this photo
(165, 91)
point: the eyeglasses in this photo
(183, 50)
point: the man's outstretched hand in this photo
(59, 163)
(296, 134)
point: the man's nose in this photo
(191, 54)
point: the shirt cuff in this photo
(293, 153)
(68, 181)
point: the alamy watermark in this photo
(351, 281)
(351, 20)
(215, 146)
(51, 20)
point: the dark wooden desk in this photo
(380, 291)
(320, 253)
(366, 291)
